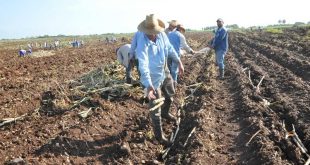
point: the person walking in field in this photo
(220, 45)
(172, 26)
(178, 41)
(126, 59)
(152, 51)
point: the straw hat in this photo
(173, 23)
(181, 27)
(151, 25)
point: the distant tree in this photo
(309, 23)
(44, 36)
(233, 26)
(298, 23)
(280, 21)
(284, 21)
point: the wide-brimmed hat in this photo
(173, 23)
(181, 27)
(151, 25)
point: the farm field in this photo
(247, 118)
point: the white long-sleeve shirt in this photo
(123, 54)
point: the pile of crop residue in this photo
(43, 53)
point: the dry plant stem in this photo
(10, 120)
(158, 100)
(193, 85)
(157, 106)
(174, 135)
(295, 138)
(109, 88)
(298, 141)
(260, 82)
(244, 69)
(247, 144)
(84, 114)
(308, 161)
(77, 103)
(190, 134)
(178, 127)
(249, 77)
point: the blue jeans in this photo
(174, 71)
(220, 55)
(128, 70)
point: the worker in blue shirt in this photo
(152, 51)
(178, 41)
(134, 42)
(220, 45)
(22, 52)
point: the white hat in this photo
(151, 25)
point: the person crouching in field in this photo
(23, 52)
(152, 51)
(126, 59)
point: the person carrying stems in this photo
(152, 51)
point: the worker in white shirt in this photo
(126, 59)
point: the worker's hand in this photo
(151, 93)
(181, 69)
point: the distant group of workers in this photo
(77, 43)
(47, 46)
(156, 52)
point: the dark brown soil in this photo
(229, 121)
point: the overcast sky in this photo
(27, 18)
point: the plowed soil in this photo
(242, 119)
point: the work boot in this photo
(221, 74)
(165, 110)
(157, 128)
(128, 80)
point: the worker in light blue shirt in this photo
(178, 41)
(220, 45)
(152, 51)
(134, 42)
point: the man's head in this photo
(173, 24)
(151, 25)
(220, 22)
(181, 28)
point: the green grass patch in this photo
(274, 30)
